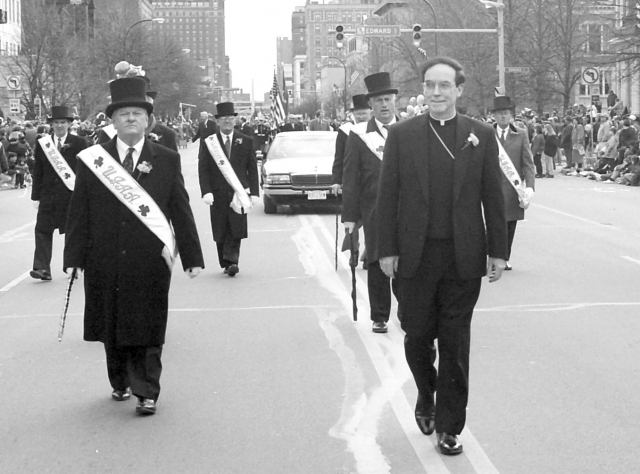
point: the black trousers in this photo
(511, 233)
(44, 248)
(137, 367)
(228, 251)
(380, 288)
(537, 160)
(437, 304)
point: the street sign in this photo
(14, 106)
(590, 75)
(385, 30)
(514, 69)
(13, 83)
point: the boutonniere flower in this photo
(64, 147)
(145, 167)
(471, 140)
(238, 141)
(153, 137)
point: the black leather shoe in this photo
(449, 444)
(379, 327)
(232, 270)
(507, 267)
(145, 407)
(121, 395)
(40, 275)
(425, 416)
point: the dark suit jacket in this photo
(203, 132)
(243, 161)
(360, 186)
(402, 203)
(517, 147)
(49, 189)
(338, 160)
(126, 280)
(166, 136)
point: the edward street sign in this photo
(385, 30)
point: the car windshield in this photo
(303, 146)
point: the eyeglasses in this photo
(442, 86)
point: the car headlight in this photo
(278, 179)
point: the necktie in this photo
(128, 161)
(59, 144)
(503, 136)
(227, 145)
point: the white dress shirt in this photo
(381, 126)
(123, 148)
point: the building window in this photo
(594, 39)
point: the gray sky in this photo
(251, 30)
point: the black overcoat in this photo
(243, 160)
(49, 189)
(338, 159)
(360, 186)
(126, 280)
(402, 213)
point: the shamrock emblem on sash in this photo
(98, 162)
(48, 145)
(221, 162)
(144, 210)
(67, 176)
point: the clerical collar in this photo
(443, 122)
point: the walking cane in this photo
(67, 297)
(353, 263)
(337, 212)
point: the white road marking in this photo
(573, 216)
(19, 232)
(10, 285)
(553, 307)
(392, 379)
(632, 260)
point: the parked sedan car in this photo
(297, 170)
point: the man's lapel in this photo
(462, 153)
(112, 148)
(145, 155)
(420, 145)
(372, 126)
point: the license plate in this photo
(317, 195)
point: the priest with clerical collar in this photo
(128, 217)
(441, 227)
(362, 158)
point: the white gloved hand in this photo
(208, 199)
(349, 226)
(254, 200)
(79, 271)
(36, 204)
(193, 272)
(528, 193)
(335, 188)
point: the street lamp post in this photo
(124, 40)
(344, 89)
(499, 6)
(435, 25)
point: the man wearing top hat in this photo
(128, 217)
(441, 228)
(49, 193)
(362, 161)
(206, 127)
(229, 225)
(515, 142)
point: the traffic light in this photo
(339, 36)
(416, 34)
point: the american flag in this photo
(277, 108)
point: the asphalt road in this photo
(266, 372)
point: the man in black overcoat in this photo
(229, 227)
(441, 227)
(362, 159)
(126, 278)
(49, 193)
(206, 127)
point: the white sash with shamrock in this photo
(58, 162)
(241, 200)
(373, 140)
(510, 172)
(129, 192)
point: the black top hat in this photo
(128, 92)
(360, 101)
(60, 112)
(379, 84)
(225, 109)
(502, 102)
